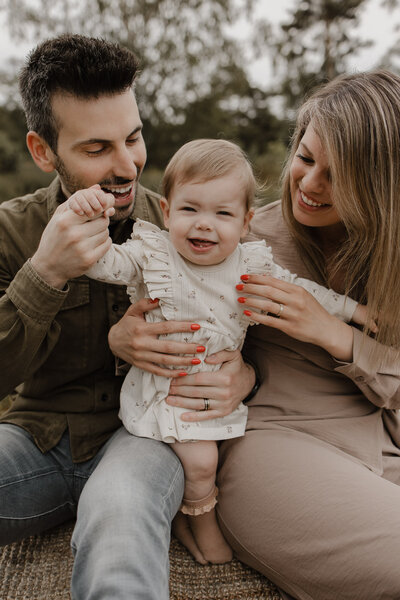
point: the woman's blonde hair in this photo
(205, 159)
(357, 118)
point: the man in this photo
(61, 442)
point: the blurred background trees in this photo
(196, 71)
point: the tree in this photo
(315, 43)
(181, 44)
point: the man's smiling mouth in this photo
(118, 191)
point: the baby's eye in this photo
(225, 213)
(188, 208)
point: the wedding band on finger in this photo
(206, 404)
(279, 314)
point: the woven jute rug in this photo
(39, 568)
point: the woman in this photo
(310, 495)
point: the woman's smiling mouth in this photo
(308, 202)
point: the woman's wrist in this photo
(339, 342)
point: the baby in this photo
(208, 191)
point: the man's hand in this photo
(69, 245)
(224, 389)
(137, 342)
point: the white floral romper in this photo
(149, 266)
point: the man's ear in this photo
(165, 209)
(40, 151)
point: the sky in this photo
(376, 24)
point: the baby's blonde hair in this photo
(205, 159)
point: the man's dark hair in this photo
(81, 66)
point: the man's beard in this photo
(71, 184)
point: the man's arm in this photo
(31, 299)
(137, 342)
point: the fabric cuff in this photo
(33, 296)
(359, 370)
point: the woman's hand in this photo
(294, 311)
(224, 389)
(137, 342)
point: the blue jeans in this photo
(124, 500)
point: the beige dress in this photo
(150, 266)
(310, 495)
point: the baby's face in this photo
(207, 219)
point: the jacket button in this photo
(104, 397)
(115, 307)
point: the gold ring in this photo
(206, 404)
(279, 314)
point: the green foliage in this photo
(195, 78)
(314, 44)
(181, 44)
(8, 154)
(25, 180)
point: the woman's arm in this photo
(304, 319)
(300, 315)
(379, 380)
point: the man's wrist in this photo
(51, 279)
(257, 381)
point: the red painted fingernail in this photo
(154, 301)
(245, 277)
(200, 349)
(247, 313)
(195, 327)
(196, 361)
(240, 286)
(182, 374)
(241, 300)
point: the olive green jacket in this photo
(54, 355)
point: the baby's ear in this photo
(165, 210)
(247, 218)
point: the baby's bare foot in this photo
(209, 538)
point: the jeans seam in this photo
(48, 512)
(29, 478)
(171, 487)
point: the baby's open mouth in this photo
(198, 243)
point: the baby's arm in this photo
(121, 264)
(92, 202)
(336, 304)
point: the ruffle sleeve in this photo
(157, 264)
(257, 258)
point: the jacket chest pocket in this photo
(71, 351)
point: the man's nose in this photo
(124, 164)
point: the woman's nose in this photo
(314, 181)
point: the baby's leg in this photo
(199, 460)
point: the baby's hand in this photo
(92, 202)
(360, 316)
